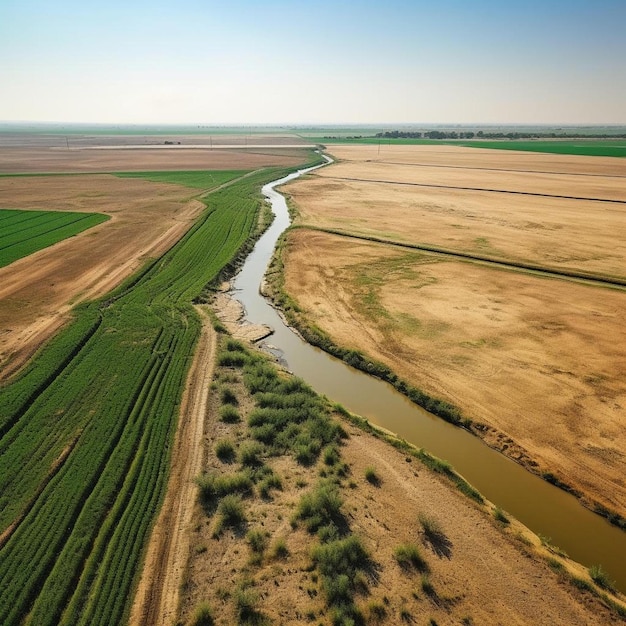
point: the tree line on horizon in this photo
(439, 134)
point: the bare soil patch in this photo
(37, 292)
(478, 571)
(592, 187)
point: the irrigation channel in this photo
(545, 509)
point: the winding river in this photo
(548, 511)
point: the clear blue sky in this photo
(250, 62)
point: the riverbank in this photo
(481, 567)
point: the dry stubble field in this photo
(539, 361)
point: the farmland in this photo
(582, 147)
(87, 428)
(25, 232)
(147, 218)
(534, 362)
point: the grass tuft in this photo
(601, 578)
(232, 513)
(203, 615)
(279, 549)
(225, 450)
(228, 396)
(372, 477)
(500, 516)
(229, 414)
(408, 557)
(431, 527)
(321, 508)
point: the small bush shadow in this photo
(438, 543)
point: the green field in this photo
(587, 147)
(25, 232)
(205, 179)
(85, 431)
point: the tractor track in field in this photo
(157, 595)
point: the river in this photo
(546, 510)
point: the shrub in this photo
(330, 455)
(246, 600)
(408, 556)
(218, 327)
(232, 359)
(306, 453)
(601, 578)
(232, 345)
(344, 556)
(228, 396)
(229, 414)
(371, 476)
(320, 507)
(232, 511)
(250, 454)
(280, 549)
(339, 562)
(271, 481)
(225, 450)
(203, 616)
(377, 611)
(214, 486)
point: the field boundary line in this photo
(492, 169)
(480, 189)
(530, 268)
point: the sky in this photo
(317, 62)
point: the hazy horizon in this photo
(279, 64)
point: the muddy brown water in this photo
(546, 510)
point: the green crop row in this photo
(87, 429)
(25, 232)
(202, 179)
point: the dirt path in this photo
(157, 596)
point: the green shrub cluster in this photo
(342, 564)
(214, 485)
(321, 508)
(289, 417)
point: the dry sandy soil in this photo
(540, 361)
(481, 572)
